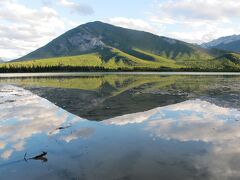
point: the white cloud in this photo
(131, 23)
(194, 21)
(24, 29)
(203, 35)
(82, 9)
(201, 9)
(197, 20)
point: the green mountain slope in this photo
(233, 57)
(110, 58)
(98, 37)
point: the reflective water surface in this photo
(120, 127)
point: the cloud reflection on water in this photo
(192, 120)
(196, 121)
(23, 115)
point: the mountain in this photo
(229, 43)
(100, 45)
(103, 38)
(1, 60)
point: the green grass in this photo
(123, 59)
(112, 58)
(118, 59)
(81, 60)
(165, 62)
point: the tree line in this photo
(33, 69)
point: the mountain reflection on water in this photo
(100, 97)
(195, 138)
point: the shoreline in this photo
(77, 74)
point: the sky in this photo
(27, 25)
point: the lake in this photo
(112, 126)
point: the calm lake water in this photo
(120, 127)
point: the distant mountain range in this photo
(98, 44)
(229, 43)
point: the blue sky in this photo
(26, 26)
